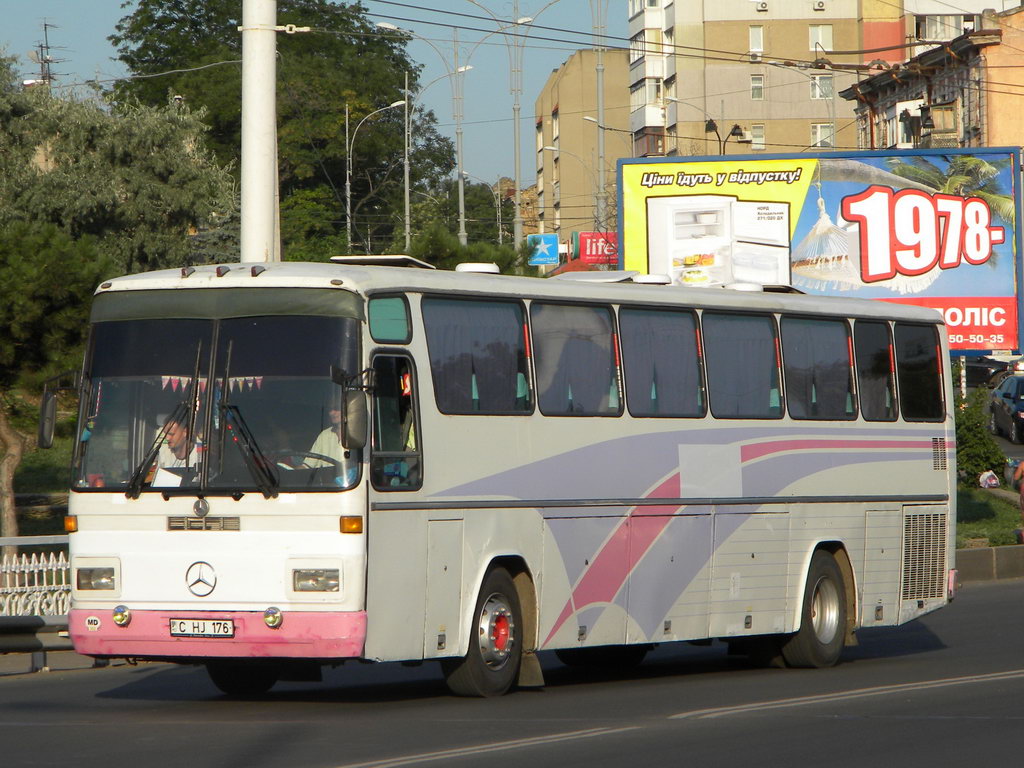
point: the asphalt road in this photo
(943, 691)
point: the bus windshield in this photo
(218, 406)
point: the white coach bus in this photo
(285, 466)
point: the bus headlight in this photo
(95, 578)
(316, 579)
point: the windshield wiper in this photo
(255, 460)
(139, 475)
(185, 407)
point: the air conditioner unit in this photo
(762, 5)
(755, 56)
(818, 5)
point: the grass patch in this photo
(983, 515)
(45, 471)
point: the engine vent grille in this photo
(924, 556)
(203, 524)
(939, 453)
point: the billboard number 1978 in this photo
(911, 232)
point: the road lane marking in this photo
(482, 749)
(857, 693)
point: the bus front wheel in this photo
(820, 640)
(239, 678)
(491, 665)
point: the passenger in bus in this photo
(328, 443)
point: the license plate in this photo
(202, 628)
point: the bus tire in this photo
(820, 639)
(241, 678)
(491, 664)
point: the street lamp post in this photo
(515, 42)
(710, 126)
(348, 163)
(456, 74)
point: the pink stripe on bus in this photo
(303, 634)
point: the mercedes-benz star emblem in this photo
(201, 507)
(201, 579)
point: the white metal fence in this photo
(34, 584)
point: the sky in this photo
(78, 40)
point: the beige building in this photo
(763, 75)
(569, 181)
(967, 93)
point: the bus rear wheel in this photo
(241, 678)
(491, 665)
(820, 639)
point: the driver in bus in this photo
(177, 450)
(328, 444)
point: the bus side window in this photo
(875, 374)
(396, 459)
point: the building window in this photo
(757, 87)
(820, 37)
(554, 125)
(636, 47)
(757, 136)
(755, 34)
(646, 92)
(944, 27)
(670, 41)
(821, 86)
(822, 135)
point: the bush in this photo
(976, 451)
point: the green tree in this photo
(48, 279)
(343, 61)
(136, 178)
(976, 451)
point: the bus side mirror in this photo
(47, 418)
(356, 416)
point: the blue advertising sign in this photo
(543, 249)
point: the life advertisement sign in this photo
(933, 228)
(596, 247)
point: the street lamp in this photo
(710, 126)
(456, 74)
(348, 163)
(515, 42)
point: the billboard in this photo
(934, 228)
(596, 247)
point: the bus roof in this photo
(367, 279)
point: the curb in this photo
(990, 563)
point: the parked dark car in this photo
(1006, 409)
(985, 371)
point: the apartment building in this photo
(968, 92)
(764, 75)
(572, 196)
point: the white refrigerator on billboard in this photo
(713, 240)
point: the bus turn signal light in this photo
(70, 523)
(352, 524)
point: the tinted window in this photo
(875, 377)
(819, 377)
(919, 372)
(477, 355)
(389, 320)
(742, 362)
(396, 460)
(661, 363)
(574, 356)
